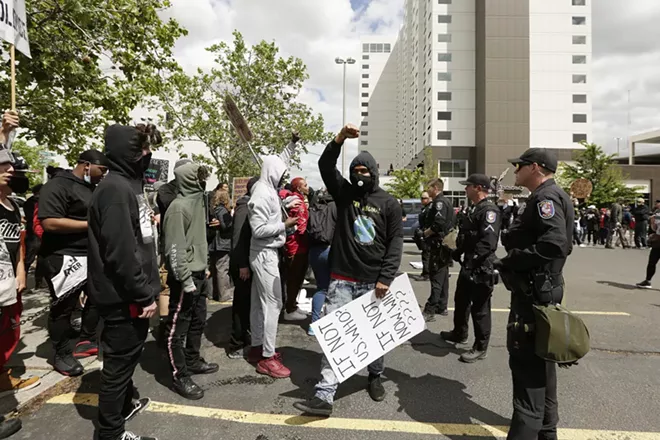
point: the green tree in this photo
(31, 154)
(93, 62)
(430, 165)
(263, 85)
(407, 184)
(607, 179)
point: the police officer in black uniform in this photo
(440, 219)
(477, 243)
(419, 236)
(537, 244)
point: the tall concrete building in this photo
(480, 81)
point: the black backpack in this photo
(321, 224)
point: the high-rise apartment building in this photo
(480, 81)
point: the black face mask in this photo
(362, 183)
(19, 184)
(144, 162)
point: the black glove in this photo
(497, 264)
(456, 255)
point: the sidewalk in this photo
(35, 352)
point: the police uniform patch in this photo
(546, 209)
(438, 205)
(491, 216)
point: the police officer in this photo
(477, 243)
(419, 236)
(537, 244)
(439, 220)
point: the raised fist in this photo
(350, 131)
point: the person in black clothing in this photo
(239, 269)
(537, 244)
(62, 212)
(220, 246)
(654, 255)
(642, 213)
(123, 275)
(365, 253)
(438, 222)
(476, 245)
(419, 236)
(167, 193)
(32, 241)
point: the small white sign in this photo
(368, 328)
(13, 25)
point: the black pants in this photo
(641, 231)
(425, 261)
(185, 324)
(32, 245)
(654, 257)
(240, 311)
(439, 298)
(535, 406)
(592, 236)
(473, 298)
(122, 340)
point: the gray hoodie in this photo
(264, 209)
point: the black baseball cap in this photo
(95, 157)
(477, 179)
(542, 156)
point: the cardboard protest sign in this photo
(13, 25)
(240, 188)
(158, 171)
(367, 328)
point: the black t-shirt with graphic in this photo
(10, 229)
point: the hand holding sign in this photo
(9, 124)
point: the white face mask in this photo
(87, 178)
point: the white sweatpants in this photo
(266, 299)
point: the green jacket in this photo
(184, 228)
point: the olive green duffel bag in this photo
(561, 336)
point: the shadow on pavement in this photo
(431, 344)
(155, 362)
(218, 327)
(623, 285)
(89, 385)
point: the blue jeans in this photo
(318, 258)
(341, 293)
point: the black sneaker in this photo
(9, 427)
(139, 405)
(236, 353)
(428, 316)
(67, 365)
(644, 284)
(453, 337)
(203, 367)
(315, 406)
(130, 436)
(445, 312)
(188, 389)
(375, 388)
(473, 355)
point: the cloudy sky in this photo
(626, 56)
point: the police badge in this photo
(546, 209)
(491, 216)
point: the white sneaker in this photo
(296, 315)
(583, 245)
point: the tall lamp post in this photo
(348, 60)
(618, 139)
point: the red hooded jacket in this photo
(298, 242)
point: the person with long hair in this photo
(220, 246)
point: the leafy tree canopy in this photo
(32, 155)
(407, 184)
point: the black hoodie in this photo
(368, 239)
(122, 269)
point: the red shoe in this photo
(254, 355)
(85, 349)
(273, 367)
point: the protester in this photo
(296, 247)
(593, 221)
(365, 254)
(63, 209)
(321, 230)
(239, 268)
(268, 236)
(123, 275)
(12, 265)
(654, 255)
(220, 246)
(32, 241)
(642, 213)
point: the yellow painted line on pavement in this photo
(574, 311)
(447, 429)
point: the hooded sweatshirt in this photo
(368, 240)
(122, 267)
(186, 249)
(264, 208)
(298, 242)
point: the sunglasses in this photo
(523, 164)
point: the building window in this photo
(364, 133)
(444, 135)
(444, 116)
(365, 66)
(579, 2)
(579, 137)
(579, 21)
(365, 95)
(444, 19)
(365, 123)
(579, 79)
(444, 57)
(444, 2)
(579, 59)
(365, 104)
(365, 47)
(444, 96)
(579, 39)
(453, 168)
(580, 118)
(364, 143)
(365, 113)
(444, 38)
(387, 47)
(444, 76)
(365, 57)
(579, 99)
(365, 76)
(365, 85)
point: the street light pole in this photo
(617, 146)
(343, 150)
